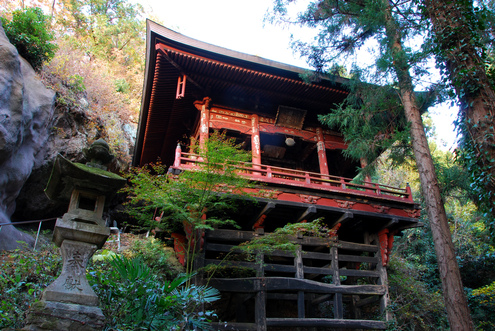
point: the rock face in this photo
(26, 113)
(34, 129)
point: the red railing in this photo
(312, 180)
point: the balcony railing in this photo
(305, 179)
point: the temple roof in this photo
(230, 78)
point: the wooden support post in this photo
(178, 154)
(298, 263)
(260, 265)
(409, 193)
(310, 309)
(204, 128)
(260, 299)
(198, 264)
(338, 309)
(356, 311)
(383, 280)
(260, 310)
(322, 154)
(255, 144)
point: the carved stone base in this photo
(57, 316)
(72, 286)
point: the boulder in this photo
(26, 114)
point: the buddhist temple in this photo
(192, 88)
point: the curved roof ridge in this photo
(201, 45)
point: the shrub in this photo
(156, 255)
(482, 304)
(133, 298)
(25, 274)
(29, 33)
(414, 305)
(132, 294)
(86, 85)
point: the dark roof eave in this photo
(245, 60)
(146, 94)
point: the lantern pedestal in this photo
(69, 303)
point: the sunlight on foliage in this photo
(30, 32)
(283, 238)
(133, 296)
(86, 85)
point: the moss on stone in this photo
(97, 171)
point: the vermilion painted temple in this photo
(192, 88)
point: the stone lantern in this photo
(69, 303)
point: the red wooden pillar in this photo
(178, 154)
(255, 144)
(322, 155)
(205, 122)
(384, 249)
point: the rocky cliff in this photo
(33, 130)
(26, 112)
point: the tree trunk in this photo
(456, 31)
(453, 292)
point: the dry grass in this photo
(90, 84)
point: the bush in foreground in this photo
(133, 295)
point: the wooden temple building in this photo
(192, 88)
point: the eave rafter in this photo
(164, 53)
(260, 217)
(167, 52)
(343, 219)
(307, 215)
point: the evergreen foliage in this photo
(372, 120)
(461, 33)
(30, 32)
(415, 306)
(282, 238)
(414, 255)
(157, 256)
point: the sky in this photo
(238, 25)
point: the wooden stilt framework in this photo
(321, 272)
